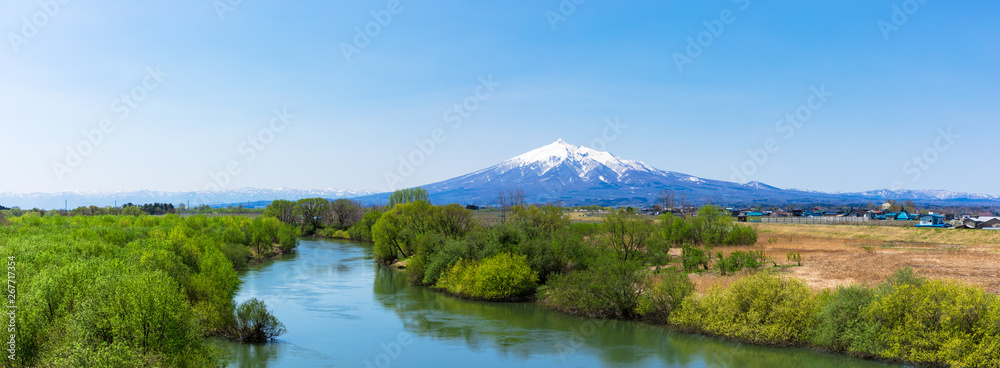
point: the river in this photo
(343, 310)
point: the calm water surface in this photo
(343, 310)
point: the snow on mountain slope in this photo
(562, 172)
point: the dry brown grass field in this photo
(843, 254)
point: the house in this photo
(905, 216)
(933, 221)
(754, 216)
(982, 222)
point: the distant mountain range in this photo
(251, 197)
(558, 172)
(575, 175)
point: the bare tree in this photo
(667, 199)
(509, 198)
(344, 213)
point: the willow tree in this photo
(408, 195)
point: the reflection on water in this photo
(343, 310)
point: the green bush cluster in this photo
(711, 226)
(663, 295)
(763, 308)
(607, 288)
(255, 323)
(931, 322)
(740, 260)
(500, 277)
(128, 290)
(693, 257)
(906, 318)
(433, 238)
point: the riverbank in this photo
(332, 285)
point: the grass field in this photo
(842, 254)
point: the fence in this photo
(833, 220)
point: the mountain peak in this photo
(581, 159)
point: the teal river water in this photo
(343, 310)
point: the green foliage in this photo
(739, 260)
(711, 226)
(763, 308)
(254, 323)
(407, 196)
(633, 236)
(129, 291)
(663, 295)
(693, 257)
(454, 220)
(794, 257)
(362, 230)
(283, 210)
(500, 277)
(607, 289)
(937, 322)
(741, 235)
(548, 219)
(842, 324)
(395, 232)
(311, 212)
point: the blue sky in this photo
(921, 81)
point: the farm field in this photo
(835, 255)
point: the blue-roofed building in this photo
(932, 221)
(754, 216)
(906, 216)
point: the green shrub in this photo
(501, 277)
(739, 260)
(254, 323)
(459, 278)
(663, 295)
(441, 260)
(694, 257)
(741, 235)
(938, 322)
(842, 323)
(606, 289)
(504, 276)
(763, 308)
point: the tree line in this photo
(621, 268)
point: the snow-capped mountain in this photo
(575, 175)
(75, 199)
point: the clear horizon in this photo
(833, 97)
